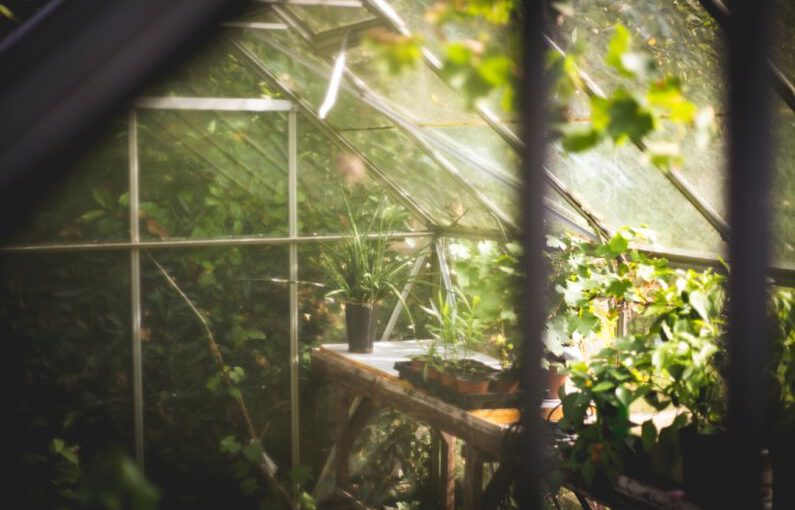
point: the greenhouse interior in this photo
(287, 273)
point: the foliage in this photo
(664, 354)
(624, 115)
(782, 397)
(455, 324)
(363, 267)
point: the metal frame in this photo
(135, 292)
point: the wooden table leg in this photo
(473, 478)
(436, 489)
(351, 427)
(341, 461)
(448, 471)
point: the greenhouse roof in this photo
(287, 50)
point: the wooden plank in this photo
(435, 468)
(448, 471)
(361, 379)
(473, 478)
(341, 453)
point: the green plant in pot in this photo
(458, 332)
(365, 269)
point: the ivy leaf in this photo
(230, 444)
(628, 119)
(580, 138)
(253, 452)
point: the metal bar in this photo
(444, 270)
(195, 243)
(254, 25)
(533, 104)
(135, 292)
(749, 339)
(780, 83)
(406, 126)
(415, 270)
(329, 41)
(292, 218)
(335, 137)
(214, 104)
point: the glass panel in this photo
(418, 92)
(630, 192)
(784, 47)
(89, 204)
(443, 200)
(65, 383)
(242, 294)
(323, 17)
(681, 37)
(783, 199)
(327, 178)
(217, 70)
(209, 174)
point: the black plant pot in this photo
(782, 457)
(706, 463)
(360, 326)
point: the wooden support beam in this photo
(473, 478)
(435, 467)
(487, 436)
(347, 430)
(448, 471)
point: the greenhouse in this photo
(288, 268)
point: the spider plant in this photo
(363, 268)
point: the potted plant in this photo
(365, 269)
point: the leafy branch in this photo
(266, 465)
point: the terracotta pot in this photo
(448, 380)
(472, 385)
(433, 374)
(360, 326)
(418, 365)
(504, 384)
(554, 381)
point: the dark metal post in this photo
(533, 97)
(749, 169)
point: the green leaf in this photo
(580, 138)
(230, 444)
(603, 386)
(700, 303)
(253, 452)
(628, 119)
(92, 215)
(648, 434)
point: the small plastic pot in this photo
(360, 326)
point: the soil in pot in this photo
(360, 326)
(706, 462)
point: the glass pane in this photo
(783, 186)
(630, 192)
(328, 177)
(241, 292)
(784, 47)
(323, 17)
(209, 174)
(444, 200)
(681, 37)
(217, 70)
(417, 92)
(65, 330)
(89, 204)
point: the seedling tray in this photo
(467, 401)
